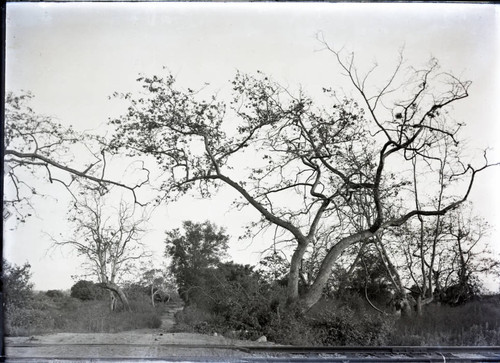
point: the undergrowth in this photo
(476, 323)
(351, 322)
(43, 314)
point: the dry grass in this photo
(475, 323)
(44, 315)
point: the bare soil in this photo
(143, 343)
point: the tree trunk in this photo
(112, 301)
(406, 310)
(116, 290)
(315, 292)
(152, 295)
(294, 274)
(419, 305)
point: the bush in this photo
(348, 320)
(87, 290)
(346, 327)
(55, 294)
(236, 301)
(290, 328)
(241, 301)
(137, 292)
(192, 319)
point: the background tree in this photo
(467, 258)
(17, 287)
(159, 284)
(273, 267)
(427, 268)
(193, 251)
(241, 299)
(18, 300)
(39, 148)
(108, 238)
(311, 162)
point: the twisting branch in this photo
(46, 162)
(36, 143)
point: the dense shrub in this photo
(347, 327)
(243, 301)
(330, 323)
(193, 252)
(136, 291)
(348, 320)
(191, 319)
(236, 301)
(290, 328)
(87, 290)
(233, 300)
(55, 294)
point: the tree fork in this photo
(115, 289)
(313, 295)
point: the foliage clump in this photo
(87, 290)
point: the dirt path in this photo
(143, 343)
(168, 318)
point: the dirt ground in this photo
(143, 343)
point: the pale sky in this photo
(72, 56)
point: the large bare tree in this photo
(109, 239)
(305, 165)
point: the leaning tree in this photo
(305, 165)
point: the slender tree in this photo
(462, 258)
(158, 282)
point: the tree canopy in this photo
(339, 171)
(199, 247)
(17, 288)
